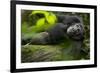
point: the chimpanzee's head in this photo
(75, 31)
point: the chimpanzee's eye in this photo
(77, 25)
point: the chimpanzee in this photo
(67, 26)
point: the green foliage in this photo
(46, 21)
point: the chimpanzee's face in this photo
(75, 31)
